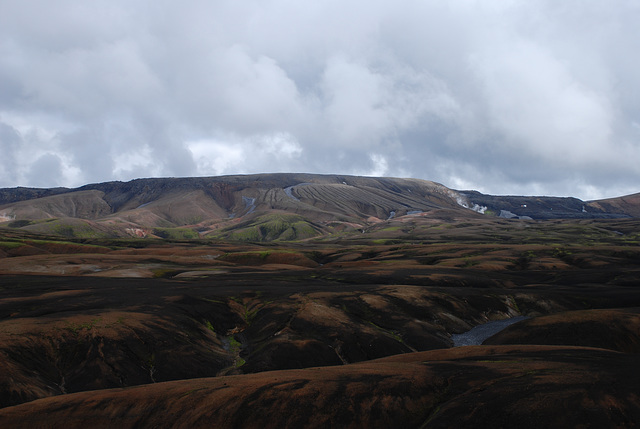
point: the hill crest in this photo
(268, 206)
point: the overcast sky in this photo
(527, 97)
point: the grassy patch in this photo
(151, 361)
(271, 227)
(234, 347)
(66, 243)
(234, 344)
(254, 257)
(209, 326)
(75, 328)
(390, 333)
(19, 223)
(176, 233)
(381, 241)
(64, 230)
(250, 315)
(164, 273)
(67, 228)
(247, 234)
(468, 263)
(392, 228)
(10, 244)
(213, 301)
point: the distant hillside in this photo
(629, 204)
(267, 207)
(536, 207)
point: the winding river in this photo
(478, 334)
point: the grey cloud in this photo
(10, 141)
(527, 97)
(45, 171)
(90, 152)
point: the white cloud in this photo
(232, 154)
(539, 107)
(369, 105)
(280, 145)
(380, 166)
(497, 95)
(129, 163)
(216, 158)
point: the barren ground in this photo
(349, 331)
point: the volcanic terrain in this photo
(315, 301)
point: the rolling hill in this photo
(298, 300)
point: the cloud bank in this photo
(500, 96)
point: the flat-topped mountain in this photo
(268, 206)
(315, 301)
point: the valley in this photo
(315, 311)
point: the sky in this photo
(532, 97)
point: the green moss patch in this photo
(271, 227)
(10, 244)
(176, 233)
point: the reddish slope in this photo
(524, 387)
(614, 329)
(629, 204)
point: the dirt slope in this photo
(287, 334)
(614, 329)
(473, 387)
(629, 204)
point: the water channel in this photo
(478, 334)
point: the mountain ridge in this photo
(298, 205)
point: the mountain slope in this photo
(216, 203)
(536, 207)
(629, 204)
(89, 204)
(265, 207)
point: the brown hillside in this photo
(144, 332)
(225, 207)
(81, 204)
(215, 203)
(471, 387)
(629, 204)
(614, 329)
